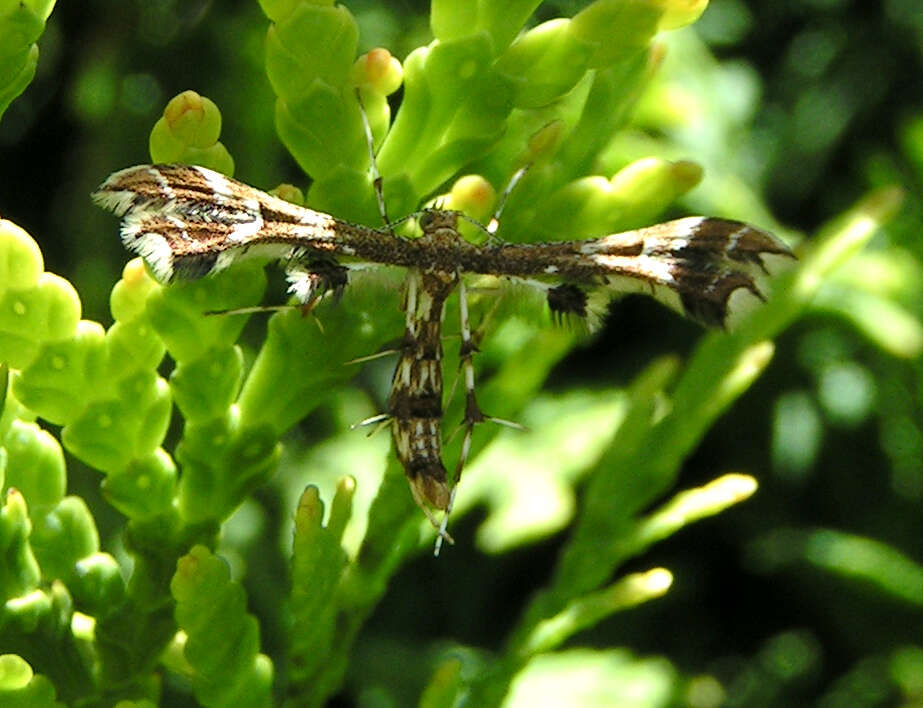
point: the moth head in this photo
(434, 221)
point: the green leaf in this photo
(19, 574)
(63, 537)
(35, 465)
(222, 639)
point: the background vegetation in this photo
(810, 592)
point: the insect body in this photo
(189, 221)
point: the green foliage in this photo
(226, 668)
(188, 132)
(168, 611)
(21, 23)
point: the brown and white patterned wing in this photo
(710, 270)
(187, 221)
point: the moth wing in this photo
(710, 270)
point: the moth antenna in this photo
(373, 164)
(494, 222)
(479, 225)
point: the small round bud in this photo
(377, 71)
(473, 195)
(193, 119)
(290, 193)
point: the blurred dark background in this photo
(833, 430)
